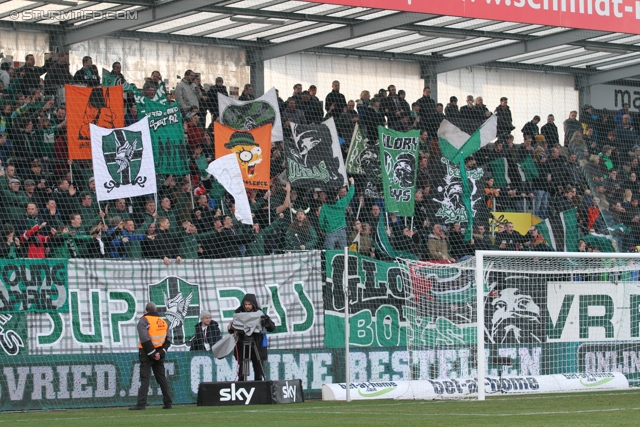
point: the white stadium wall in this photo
(139, 58)
(354, 75)
(18, 44)
(529, 93)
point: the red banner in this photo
(618, 16)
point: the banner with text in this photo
(106, 299)
(620, 16)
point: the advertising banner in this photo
(593, 311)
(621, 16)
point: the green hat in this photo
(241, 138)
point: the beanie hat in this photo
(204, 313)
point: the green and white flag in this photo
(363, 159)
(544, 228)
(600, 241)
(399, 162)
(123, 161)
(167, 138)
(357, 147)
(457, 145)
(570, 229)
(500, 171)
(247, 115)
(528, 169)
(107, 78)
(383, 244)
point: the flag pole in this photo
(359, 207)
(411, 224)
(100, 209)
(193, 206)
(155, 220)
(269, 203)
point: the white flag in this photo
(227, 171)
(246, 115)
(123, 161)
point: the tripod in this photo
(249, 349)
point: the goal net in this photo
(548, 322)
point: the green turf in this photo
(577, 409)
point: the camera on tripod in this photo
(245, 325)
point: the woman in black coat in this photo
(249, 304)
(207, 333)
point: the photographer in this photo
(207, 333)
(250, 304)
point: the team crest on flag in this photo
(122, 152)
(179, 303)
(123, 161)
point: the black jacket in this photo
(165, 245)
(212, 103)
(335, 98)
(57, 76)
(267, 323)
(210, 334)
(550, 132)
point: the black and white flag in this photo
(313, 156)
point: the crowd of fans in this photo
(49, 206)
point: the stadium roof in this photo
(273, 28)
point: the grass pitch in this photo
(576, 409)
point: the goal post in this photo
(561, 321)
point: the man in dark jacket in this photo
(152, 330)
(29, 74)
(335, 102)
(207, 333)
(250, 304)
(531, 128)
(550, 131)
(58, 75)
(231, 242)
(505, 121)
(212, 95)
(427, 108)
(87, 74)
(116, 71)
(165, 246)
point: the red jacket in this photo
(36, 242)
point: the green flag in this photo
(383, 244)
(528, 169)
(570, 228)
(107, 78)
(167, 137)
(399, 162)
(544, 228)
(456, 146)
(500, 171)
(600, 241)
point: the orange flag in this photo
(252, 149)
(101, 106)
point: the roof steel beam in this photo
(340, 34)
(153, 15)
(539, 43)
(611, 75)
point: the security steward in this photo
(153, 345)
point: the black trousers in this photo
(255, 361)
(146, 365)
